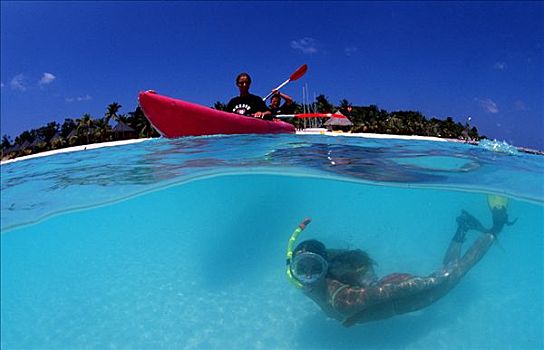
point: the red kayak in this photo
(176, 118)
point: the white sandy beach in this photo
(74, 149)
(316, 131)
(319, 131)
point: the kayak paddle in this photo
(296, 75)
(308, 115)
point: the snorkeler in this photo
(344, 285)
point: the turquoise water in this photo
(181, 243)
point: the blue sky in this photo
(459, 59)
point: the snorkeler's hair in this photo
(353, 259)
(243, 75)
(313, 246)
(348, 267)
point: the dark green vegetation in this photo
(86, 130)
(81, 131)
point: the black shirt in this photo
(283, 109)
(246, 105)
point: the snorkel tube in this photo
(290, 247)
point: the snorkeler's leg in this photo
(484, 242)
(498, 206)
(476, 252)
(454, 250)
(465, 222)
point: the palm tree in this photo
(6, 142)
(323, 104)
(73, 139)
(25, 136)
(84, 125)
(111, 112)
(344, 104)
(48, 131)
(139, 122)
(122, 118)
(101, 129)
(57, 142)
(67, 127)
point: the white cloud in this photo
(47, 78)
(78, 99)
(489, 105)
(500, 65)
(18, 82)
(306, 45)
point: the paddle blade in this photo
(302, 115)
(299, 72)
(314, 115)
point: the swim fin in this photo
(468, 222)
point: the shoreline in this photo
(75, 149)
(304, 132)
(373, 136)
(319, 131)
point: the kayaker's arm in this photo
(262, 109)
(288, 100)
(262, 114)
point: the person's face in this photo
(243, 83)
(309, 267)
(275, 102)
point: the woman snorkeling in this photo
(343, 282)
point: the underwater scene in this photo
(182, 243)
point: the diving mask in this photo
(309, 268)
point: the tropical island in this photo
(133, 125)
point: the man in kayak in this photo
(285, 108)
(247, 104)
(344, 285)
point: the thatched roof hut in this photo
(72, 133)
(122, 127)
(338, 119)
(56, 137)
(38, 142)
(122, 131)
